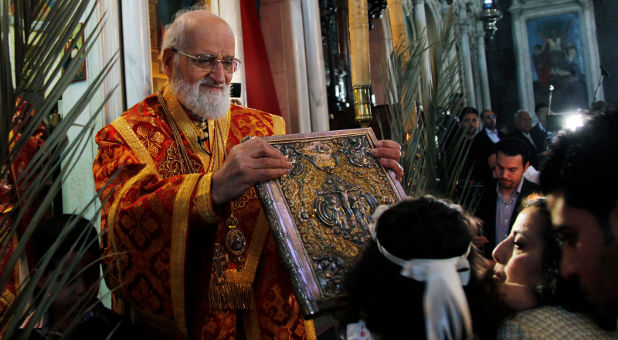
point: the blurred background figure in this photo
(72, 278)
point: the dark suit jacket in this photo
(539, 136)
(479, 152)
(486, 211)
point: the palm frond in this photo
(32, 83)
(435, 149)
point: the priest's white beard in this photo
(207, 104)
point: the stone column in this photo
(465, 55)
(482, 60)
(316, 76)
(397, 23)
(229, 10)
(136, 47)
(420, 23)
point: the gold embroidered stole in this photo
(231, 284)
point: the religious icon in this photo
(555, 51)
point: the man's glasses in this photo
(207, 62)
(492, 116)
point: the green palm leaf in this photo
(435, 149)
(37, 78)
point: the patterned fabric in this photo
(551, 322)
(165, 238)
(10, 191)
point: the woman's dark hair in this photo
(546, 291)
(425, 227)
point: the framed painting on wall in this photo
(555, 45)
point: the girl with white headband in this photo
(413, 278)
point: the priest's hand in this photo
(388, 153)
(247, 164)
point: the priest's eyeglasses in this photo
(207, 62)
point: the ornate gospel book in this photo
(319, 212)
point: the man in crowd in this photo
(188, 246)
(523, 127)
(498, 207)
(539, 132)
(580, 180)
(469, 120)
(483, 145)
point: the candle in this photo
(359, 57)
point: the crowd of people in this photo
(187, 252)
(553, 270)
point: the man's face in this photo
(470, 122)
(489, 119)
(523, 122)
(519, 257)
(206, 93)
(542, 114)
(585, 254)
(510, 170)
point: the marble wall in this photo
(294, 52)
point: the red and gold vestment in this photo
(175, 261)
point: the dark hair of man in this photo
(466, 110)
(513, 146)
(485, 112)
(582, 166)
(80, 233)
(419, 228)
(539, 106)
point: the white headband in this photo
(444, 302)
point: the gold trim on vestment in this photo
(251, 322)
(203, 202)
(179, 228)
(217, 133)
(127, 133)
(133, 142)
(180, 224)
(253, 253)
(111, 218)
(310, 330)
(278, 125)
(237, 290)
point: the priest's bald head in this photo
(198, 56)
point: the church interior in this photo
(411, 70)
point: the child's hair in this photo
(80, 233)
(415, 228)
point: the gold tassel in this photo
(228, 296)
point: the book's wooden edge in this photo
(299, 280)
